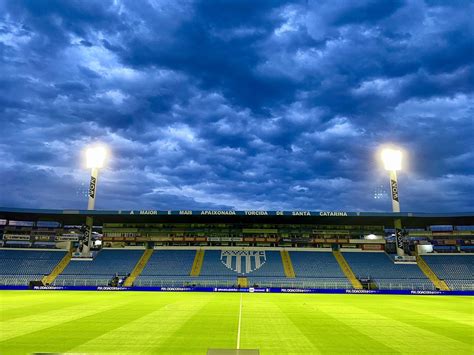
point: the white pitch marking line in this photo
(240, 321)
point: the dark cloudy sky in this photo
(237, 104)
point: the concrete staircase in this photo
(137, 270)
(59, 268)
(287, 264)
(439, 284)
(346, 269)
(197, 264)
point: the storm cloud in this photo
(237, 104)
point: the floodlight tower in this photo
(392, 159)
(95, 159)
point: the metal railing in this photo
(462, 287)
(182, 283)
(405, 286)
(24, 281)
(228, 283)
(81, 282)
(306, 284)
(14, 281)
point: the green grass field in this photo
(154, 322)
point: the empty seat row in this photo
(381, 266)
(456, 270)
(223, 267)
(315, 264)
(100, 270)
(27, 265)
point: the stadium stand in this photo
(271, 273)
(380, 268)
(272, 266)
(101, 269)
(456, 270)
(346, 269)
(212, 265)
(173, 268)
(287, 264)
(215, 272)
(317, 270)
(445, 248)
(467, 248)
(167, 268)
(19, 267)
(138, 269)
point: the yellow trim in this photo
(287, 264)
(439, 284)
(346, 269)
(59, 268)
(243, 282)
(137, 270)
(197, 264)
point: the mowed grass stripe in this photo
(458, 329)
(148, 332)
(454, 308)
(435, 300)
(404, 333)
(66, 335)
(213, 326)
(11, 300)
(35, 321)
(319, 318)
(444, 330)
(267, 327)
(51, 301)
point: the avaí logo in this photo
(394, 187)
(243, 261)
(92, 187)
(399, 238)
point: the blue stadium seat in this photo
(456, 270)
(101, 269)
(18, 267)
(318, 270)
(273, 266)
(172, 268)
(380, 268)
(167, 268)
(169, 262)
(212, 266)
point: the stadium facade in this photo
(284, 250)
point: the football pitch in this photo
(159, 322)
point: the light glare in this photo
(95, 157)
(372, 237)
(392, 159)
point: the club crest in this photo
(243, 262)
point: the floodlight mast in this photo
(95, 159)
(392, 160)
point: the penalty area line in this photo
(240, 322)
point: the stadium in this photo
(245, 155)
(258, 281)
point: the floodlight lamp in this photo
(371, 237)
(392, 159)
(95, 157)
